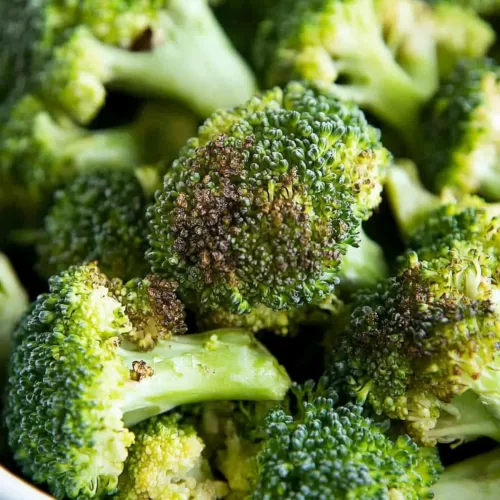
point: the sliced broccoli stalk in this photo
(363, 266)
(13, 304)
(190, 59)
(220, 365)
(70, 398)
(477, 477)
(459, 33)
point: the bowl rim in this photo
(15, 487)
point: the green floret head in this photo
(337, 41)
(424, 342)
(72, 54)
(460, 129)
(261, 206)
(98, 217)
(166, 462)
(78, 381)
(325, 450)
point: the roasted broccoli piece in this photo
(459, 33)
(13, 304)
(423, 346)
(314, 447)
(460, 129)
(70, 53)
(166, 462)
(100, 216)
(342, 42)
(80, 376)
(477, 477)
(263, 204)
(42, 149)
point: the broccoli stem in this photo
(364, 265)
(409, 200)
(466, 418)
(477, 477)
(194, 63)
(87, 149)
(223, 364)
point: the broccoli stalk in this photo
(223, 364)
(188, 58)
(477, 477)
(364, 265)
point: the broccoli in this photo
(94, 357)
(42, 149)
(460, 128)
(100, 216)
(13, 304)
(481, 6)
(477, 477)
(262, 205)
(459, 33)
(70, 53)
(314, 447)
(423, 346)
(165, 462)
(342, 42)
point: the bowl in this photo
(13, 487)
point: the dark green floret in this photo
(423, 347)
(263, 204)
(460, 132)
(70, 53)
(80, 377)
(343, 42)
(98, 217)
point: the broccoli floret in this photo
(422, 347)
(477, 477)
(13, 304)
(156, 48)
(262, 205)
(481, 6)
(460, 128)
(342, 42)
(327, 450)
(42, 149)
(165, 463)
(100, 217)
(459, 33)
(78, 379)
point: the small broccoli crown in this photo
(313, 40)
(153, 309)
(273, 191)
(460, 128)
(41, 149)
(420, 339)
(74, 412)
(332, 451)
(98, 217)
(165, 462)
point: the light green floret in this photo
(423, 346)
(165, 49)
(261, 207)
(166, 463)
(72, 398)
(460, 148)
(342, 42)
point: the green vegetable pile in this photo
(251, 249)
